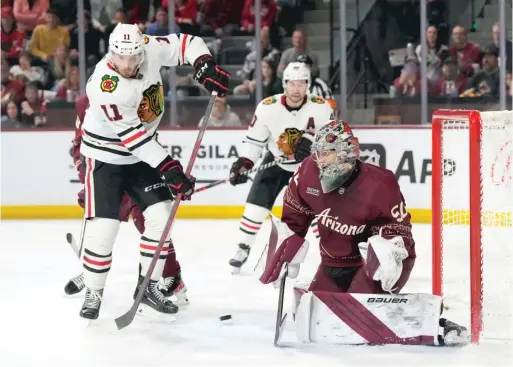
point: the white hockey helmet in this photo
(296, 71)
(126, 45)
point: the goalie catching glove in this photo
(383, 259)
(171, 172)
(293, 142)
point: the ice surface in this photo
(40, 326)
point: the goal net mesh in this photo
(496, 237)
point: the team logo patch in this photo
(109, 83)
(318, 100)
(269, 100)
(146, 39)
(152, 104)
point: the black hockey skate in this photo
(154, 298)
(240, 257)
(453, 334)
(174, 286)
(91, 307)
(75, 285)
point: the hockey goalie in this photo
(367, 252)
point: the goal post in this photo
(472, 205)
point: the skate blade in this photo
(147, 311)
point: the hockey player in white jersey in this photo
(121, 154)
(285, 124)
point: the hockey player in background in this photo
(366, 247)
(171, 282)
(120, 153)
(285, 124)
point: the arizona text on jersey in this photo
(120, 124)
(272, 116)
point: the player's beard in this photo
(296, 98)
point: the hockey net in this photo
(472, 219)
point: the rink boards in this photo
(39, 179)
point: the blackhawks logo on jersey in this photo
(269, 100)
(109, 83)
(318, 100)
(152, 104)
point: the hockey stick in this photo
(126, 319)
(253, 170)
(71, 240)
(280, 318)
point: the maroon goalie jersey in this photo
(370, 202)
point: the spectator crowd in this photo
(40, 47)
(461, 69)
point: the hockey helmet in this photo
(335, 150)
(126, 45)
(296, 71)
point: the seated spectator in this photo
(222, 17)
(185, 15)
(452, 82)
(11, 89)
(496, 35)
(408, 83)
(120, 16)
(32, 108)
(268, 12)
(26, 72)
(30, 13)
(160, 26)
(13, 40)
(267, 50)
(92, 37)
(12, 118)
(67, 12)
(70, 88)
(289, 14)
(271, 84)
(436, 53)
(222, 115)
(47, 37)
(299, 42)
(57, 67)
(487, 81)
(467, 53)
(317, 86)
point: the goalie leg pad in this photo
(155, 219)
(99, 237)
(345, 318)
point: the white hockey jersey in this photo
(123, 115)
(272, 117)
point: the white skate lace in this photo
(93, 298)
(79, 281)
(241, 255)
(157, 293)
(168, 282)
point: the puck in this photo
(225, 317)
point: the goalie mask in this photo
(336, 151)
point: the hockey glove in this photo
(303, 147)
(240, 165)
(171, 172)
(210, 75)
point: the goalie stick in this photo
(280, 318)
(126, 319)
(253, 170)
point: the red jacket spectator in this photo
(469, 57)
(185, 10)
(29, 16)
(450, 88)
(13, 41)
(268, 13)
(219, 13)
